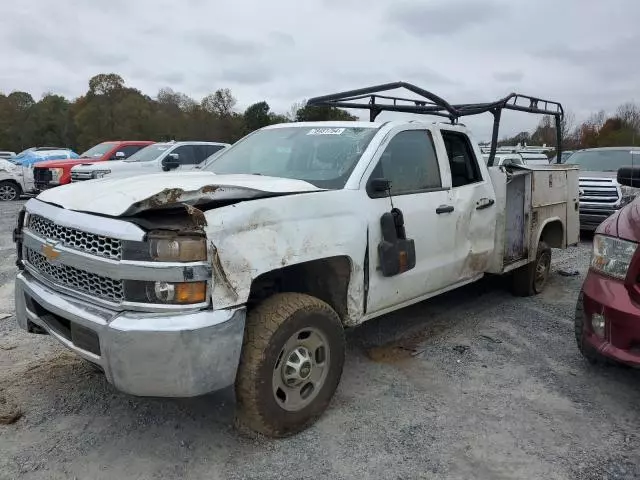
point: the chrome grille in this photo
(86, 282)
(70, 237)
(601, 191)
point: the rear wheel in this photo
(531, 279)
(9, 191)
(291, 363)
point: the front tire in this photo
(531, 279)
(9, 191)
(291, 363)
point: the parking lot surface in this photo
(473, 384)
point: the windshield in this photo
(97, 151)
(149, 153)
(324, 157)
(604, 160)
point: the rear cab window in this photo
(462, 159)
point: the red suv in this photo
(607, 323)
(58, 172)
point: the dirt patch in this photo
(210, 188)
(405, 348)
(9, 411)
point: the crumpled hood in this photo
(127, 196)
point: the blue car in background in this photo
(16, 172)
(40, 154)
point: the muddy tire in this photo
(291, 363)
(587, 351)
(9, 191)
(531, 279)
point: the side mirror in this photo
(629, 176)
(377, 186)
(119, 155)
(171, 162)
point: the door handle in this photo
(484, 203)
(444, 209)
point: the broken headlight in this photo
(167, 247)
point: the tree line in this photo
(620, 129)
(110, 110)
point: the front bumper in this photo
(591, 216)
(145, 354)
(610, 298)
(40, 186)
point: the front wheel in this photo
(291, 363)
(9, 191)
(531, 279)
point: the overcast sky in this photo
(580, 52)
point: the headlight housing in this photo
(166, 293)
(628, 194)
(100, 173)
(167, 247)
(612, 256)
(56, 174)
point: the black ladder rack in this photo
(369, 98)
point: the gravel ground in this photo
(474, 384)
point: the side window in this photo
(128, 150)
(410, 163)
(203, 152)
(211, 149)
(186, 155)
(463, 163)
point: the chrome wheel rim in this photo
(542, 271)
(7, 192)
(301, 369)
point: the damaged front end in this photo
(132, 295)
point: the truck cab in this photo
(247, 271)
(159, 157)
(54, 173)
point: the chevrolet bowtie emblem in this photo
(49, 251)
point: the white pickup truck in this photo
(248, 271)
(158, 157)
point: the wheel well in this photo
(13, 182)
(326, 279)
(553, 234)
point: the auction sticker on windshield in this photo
(326, 131)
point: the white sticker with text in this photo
(326, 131)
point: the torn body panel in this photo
(250, 239)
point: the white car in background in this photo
(518, 159)
(159, 157)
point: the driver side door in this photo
(419, 188)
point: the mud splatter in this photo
(405, 348)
